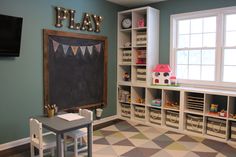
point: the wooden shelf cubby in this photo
(171, 100)
(194, 102)
(214, 104)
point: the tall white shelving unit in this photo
(138, 52)
(186, 110)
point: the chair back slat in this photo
(86, 113)
(35, 131)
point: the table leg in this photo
(90, 140)
(59, 149)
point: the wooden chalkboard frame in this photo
(46, 34)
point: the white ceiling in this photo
(133, 3)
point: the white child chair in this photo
(40, 141)
(78, 134)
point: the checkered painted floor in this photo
(126, 139)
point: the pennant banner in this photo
(98, 47)
(83, 48)
(55, 45)
(90, 49)
(75, 48)
(65, 48)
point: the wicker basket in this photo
(194, 123)
(155, 116)
(233, 131)
(172, 119)
(125, 110)
(216, 127)
(141, 74)
(126, 58)
(139, 112)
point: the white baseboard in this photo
(26, 140)
(104, 120)
(16, 143)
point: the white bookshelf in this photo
(143, 43)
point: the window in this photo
(229, 66)
(203, 46)
(195, 55)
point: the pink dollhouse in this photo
(161, 75)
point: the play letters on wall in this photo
(90, 22)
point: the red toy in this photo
(141, 23)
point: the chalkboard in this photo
(75, 69)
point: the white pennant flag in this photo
(90, 49)
(98, 47)
(74, 49)
(55, 45)
(65, 48)
(83, 48)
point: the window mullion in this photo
(173, 44)
(219, 45)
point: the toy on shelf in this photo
(161, 75)
(140, 100)
(127, 44)
(126, 76)
(232, 116)
(141, 22)
(156, 102)
(124, 96)
(214, 108)
(141, 57)
(222, 113)
(173, 81)
(173, 105)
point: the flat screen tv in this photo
(10, 35)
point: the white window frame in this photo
(220, 38)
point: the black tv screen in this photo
(10, 35)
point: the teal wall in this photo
(21, 78)
(170, 7)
